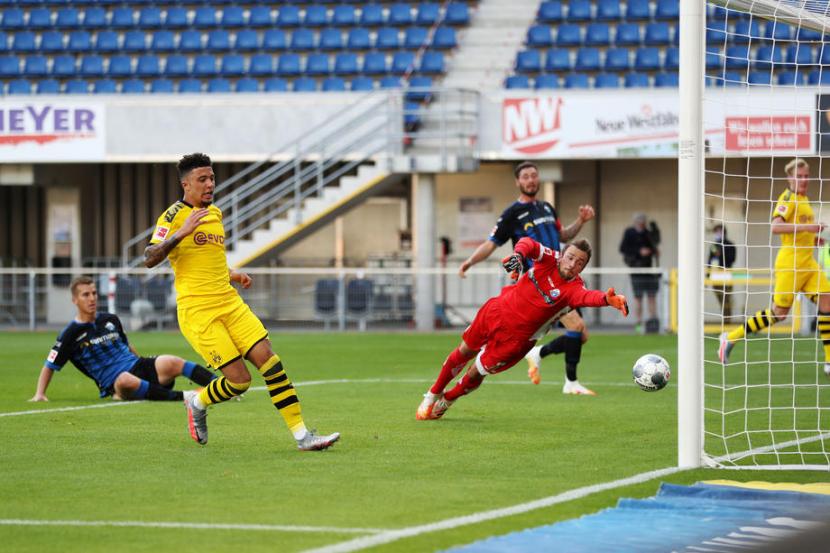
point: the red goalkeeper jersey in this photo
(542, 295)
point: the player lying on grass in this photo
(97, 345)
(507, 326)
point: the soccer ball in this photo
(651, 372)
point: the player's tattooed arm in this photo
(156, 253)
(586, 213)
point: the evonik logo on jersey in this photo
(532, 125)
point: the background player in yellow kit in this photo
(796, 270)
(212, 316)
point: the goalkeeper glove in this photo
(513, 264)
(616, 301)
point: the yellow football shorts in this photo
(222, 330)
(807, 278)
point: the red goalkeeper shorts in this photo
(503, 347)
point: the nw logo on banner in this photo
(531, 125)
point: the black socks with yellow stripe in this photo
(283, 395)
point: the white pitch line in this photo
(393, 535)
(189, 525)
(64, 409)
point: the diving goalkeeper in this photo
(508, 325)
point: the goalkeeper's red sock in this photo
(454, 364)
(464, 387)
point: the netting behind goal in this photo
(768, 68)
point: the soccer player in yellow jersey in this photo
(212, 315)
(796, 270)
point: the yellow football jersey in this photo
(795, 208)
(199, 262)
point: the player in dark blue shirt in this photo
(537, 219)
(98, 347)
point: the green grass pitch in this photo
(508, 443)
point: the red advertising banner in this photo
(767, 132)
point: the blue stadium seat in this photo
(667, 9)
(732, 78)
(275, 84)
(546, 82)
(657, 34)
(190, 41)
(190, 86)
(824, 54)
(418, 89)
(767, 56)
(415, 37)
(133, 86)
(577, 80)
(344, 16)
(148, 65)
(647, 59)
(528, 61)
(233, 65)
(162, 86)
(800, 54)
(24, 42)
(672, 58)
(218, 40)
(68, 18)
(134, 41)
(569, 34)
(372, 15)
(149, 17)
(52, 42)
(387, 39)
(246, 40)
(163, 41)
(288, 65)
(261, 65)
(176, 65)
(791, 78)
(428, 14)
(587, 59)
(362, 84)
(62, 66)
(558, 60)
(374, 63)
(627, 34)
(345, 64)
(746, 30)
(330, 39)
(104, 86)
(4, 41)
(260, 16)
(597, 34)
(76, 86)
(122, 18)
(517, 82)
(777, 30)
(818, 77)
(637, 9)
(804, 34)
(176, 17)
(617, 59)
(432, 62)
(714, 57)
(304, 84)
(35, 66)
(302, 39)
(316, 15)
(92, 65)
(247, 84)
(205, 17)
(13, 18)
(399, 15)
(444, 38)
(457, 14)
(608, 10)
(288, 16)
(411, 120)
(737, 56)
(20, 87)
(106, 42)
(402, 62)
(333, 84)
(205, 65)
(539, 36)
(358, 39)
(389, 82)
(274, 40)
(48, 86)
(607, 80)
(233, 16)
(550, 12)
(40, 18)
(219, 85)
(95, 17)
(636, 80)
(317, 64)
(666, 80)
(759, 78)
(579, 10)
(120, 66)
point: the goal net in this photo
(766, 103)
